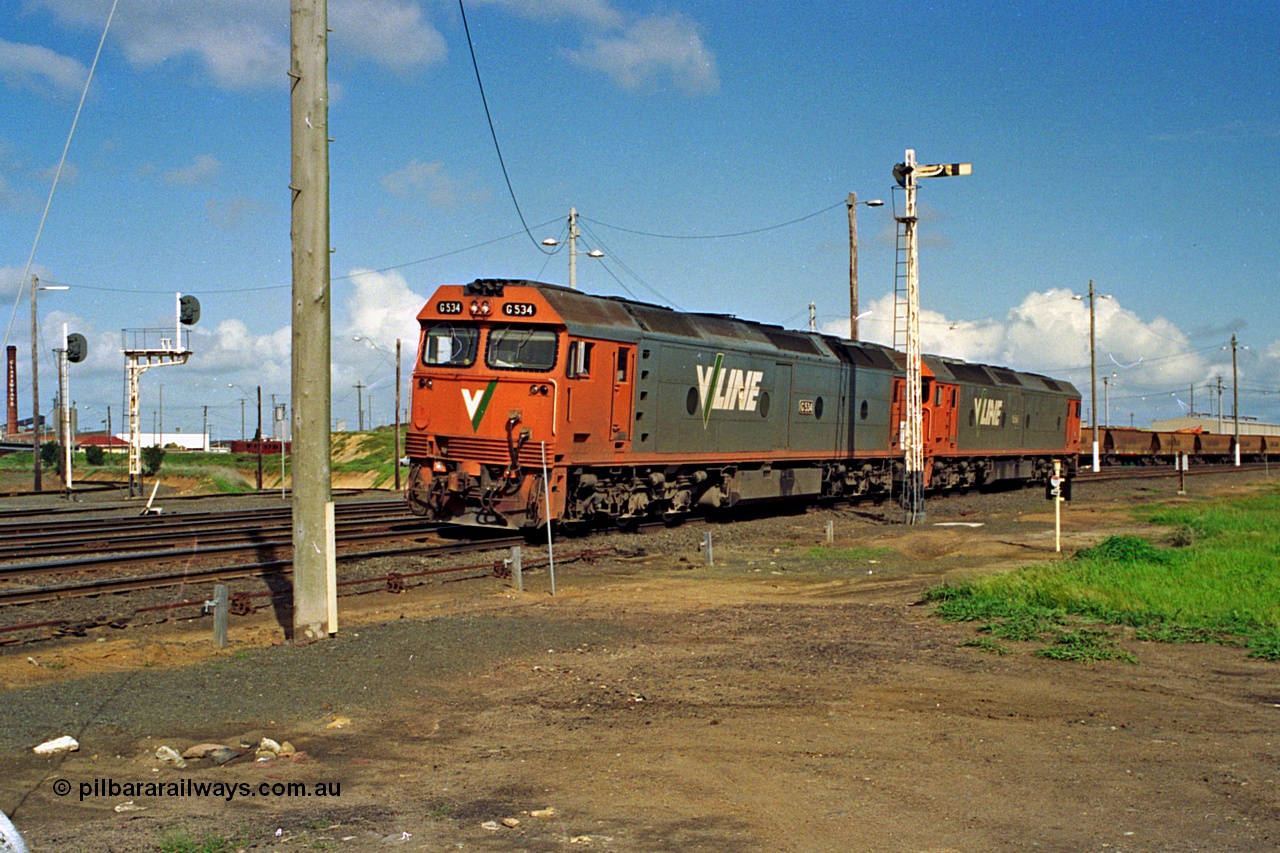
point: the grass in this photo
(850, 555)
(225, 473)
(1213, 581)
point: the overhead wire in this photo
(614, 257)
(715, 236)
(26, 271)
(494, 133)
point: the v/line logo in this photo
(988, 412)
(477, 402)
(727, 390)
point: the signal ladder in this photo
(899, 280)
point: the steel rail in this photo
(105, 537)
(102, 586)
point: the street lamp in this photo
(573, 250)
(852, 203)
(396, 439)
(1093, 369)
(234, 385)
(1235, 396)
(35, 379)
(1107, 382)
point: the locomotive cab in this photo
(486, 392)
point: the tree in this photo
(94, 455)
(152, 459)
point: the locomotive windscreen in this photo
(521, 348)
(451, 345)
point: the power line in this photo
(715, 236)
(614, 257)
(26, 271)
(333, 278)
(492, 132)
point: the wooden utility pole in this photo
(312, 394)
(260, 438)
(397, 438)
(852, 202)
(1235, 398)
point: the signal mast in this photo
(147, 348)
(906, 173)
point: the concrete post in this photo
(312, 393)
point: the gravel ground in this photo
(785, 699)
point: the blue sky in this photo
(1129, 143)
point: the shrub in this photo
(94, 455)
(152, 459)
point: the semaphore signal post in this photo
(906, 174)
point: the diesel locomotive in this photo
(533, 401)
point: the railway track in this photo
(26, 539)
(264, 536)
(1150, 472)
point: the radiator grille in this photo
(493, 451)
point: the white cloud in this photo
(244, 44)
(382, 307)
(1049, 333)
(651, 49)
(70, 174)
(40, 69)
(636, 52)
(229, 214)
(596, 13)
(390, 32)
(11, 279)
(441, 189)
(201, 171)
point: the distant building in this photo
(1227, 426)
(183, 440)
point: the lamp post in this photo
(36, 484)
(573, 252)
(234, 385)
(852, 203)
(1107, 382)
(396, 438)
(1093, 369)
(1235, 397)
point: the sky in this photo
(708, 148)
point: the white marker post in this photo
(1056, 490)
(546, 491)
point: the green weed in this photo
(986, 645)
(1086, 645)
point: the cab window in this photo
(451, 345)
(579, 366)
(521, 348)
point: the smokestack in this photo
(12, 397)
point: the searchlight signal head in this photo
(77, 348)
(189, 310)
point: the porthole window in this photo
(764, 404)
(817, 409)
(691, 401)
(862, 413)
